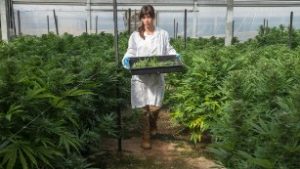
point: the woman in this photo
(147, 91)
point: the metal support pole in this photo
(185, 27)
(233, 26)
(89, 16)
(116, 47)
(267, 26)
(55, 22)
(195, 18)
(13, 19)
(48, 25)
(116, 44)
(264, 27)
(229, 20)
(129, 20)
(291, 29)
(96, 24)
(19, 23)
(4, 20)
(86, 26)
(174, 28)
(10, 18)
(135, 20)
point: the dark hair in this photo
(146, 10)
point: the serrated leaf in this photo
(23, 160)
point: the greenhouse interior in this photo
(149, 84)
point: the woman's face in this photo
(148, 21)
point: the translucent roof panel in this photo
(210, 19)
(169, 2)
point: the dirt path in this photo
(170, 149)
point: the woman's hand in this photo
(125, 62)
(178, 56)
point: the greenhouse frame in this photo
(205, 18)
(149, 84)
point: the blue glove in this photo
(178, 56)
(125, 62)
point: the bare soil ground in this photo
(171, 149)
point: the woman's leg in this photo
(153, 119)
(146, 142)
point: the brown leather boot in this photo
(153, 122)
(146, 138)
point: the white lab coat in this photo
(148, 89)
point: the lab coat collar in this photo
(157, 30)
(156, 33)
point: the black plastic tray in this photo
(179, 67)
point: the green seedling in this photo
(153, 62)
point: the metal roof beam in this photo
(126, 3)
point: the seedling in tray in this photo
(155, 64)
